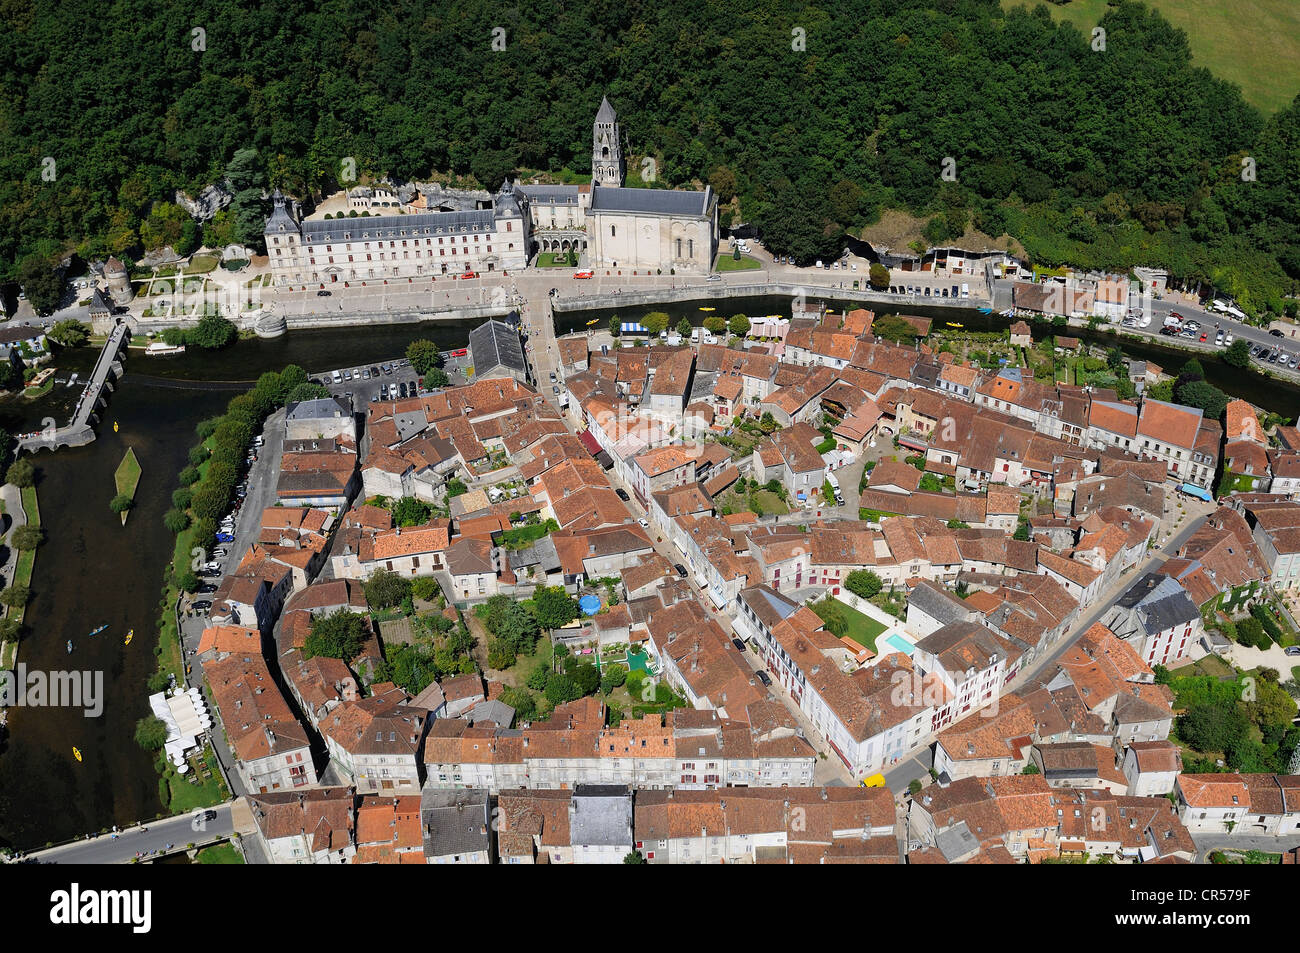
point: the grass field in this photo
(1253, 43)
(219, 854)
(127, 476)
(727, 263)
(550, 259)
(862, 628)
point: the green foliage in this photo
(863, 583)
(26, 537)
(176, 520)
(879, 276)
(561, 688)
(151, 733)
(15, 597)
(386, 589)
(436, 378)
(521, 700)
(893, 328)
(553, 607)
(181, 497)
(69, 333)
(456, 487)
(425, 588)
(738, 325)
(121, 503)
(684, 327)
(408, 511)
(715, 324)
(211, 333)
(655, 321)
(833, 617)
(1030, 768)
(340, 635)
(1238, 353)
(21, 473)
(307, 391)
(423, 355)
(501, 654)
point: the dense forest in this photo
(1099, 158)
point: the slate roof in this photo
(396, 226)
(454, 822)
(600, 815)
(496, 344)
(650, 201)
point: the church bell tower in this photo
(606, 153)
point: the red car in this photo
(470, 274)
(1204, 335)
(584, 274)
(1176, 315)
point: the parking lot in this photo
(366, 383)
(1272, 353)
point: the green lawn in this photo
(862, 628)
(550, 259)
(127, 475)
(765, 500)
(219, 854)
(183, 797)
(727, 263)
(201, 264)
(1234, 39)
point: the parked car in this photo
(1292, 650)
(713, 278)
(323, 293)
(681, 570)
(555, 389)
(622, 494)
(388, 370)
(225, 538)
(762, 677)
(738, 644)
(374, 372)
(220, 553)
(584, 274)
(203, 605)
(1276, 333)
(645, 524)
(206, 587)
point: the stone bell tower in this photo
(606, 153)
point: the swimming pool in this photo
(900, 644)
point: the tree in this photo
(121, 503)
(456, 487)
(521, 700)
(615, 675)
(587, 677)
(27, 537)
(684, 327)
(738, 325)
(426, 588)
(408, 511)
(615, 326)
(538, 678)
(715, 324)
(385, 589)
(501, 654)
(863, 583)
(879, 276)
(1238, 353)
(21, 473)
(654, 322)
(15, 596)
(436, 378)
(633, 857)
(42, 282)
(307, 391)
(151, 733)
(176, 520)
(560, 688)
(553, 607)
(893, 328)
(339, 635)
(212, 332)
(185, 580)
(10, 378)
(831, 612)
(181, 497)
(423, 355)
(69, 333)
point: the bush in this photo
(425, 588)
(27, 537)
(386, 589)
(176, 520)
(189, 476)
(181, 497)
(21, 474)
(150, 733)
(863, 583)
(198, 455)
(121, 503)
(15, 597)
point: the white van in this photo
(965, 290)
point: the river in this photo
(93, 571)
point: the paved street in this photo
(144, 841)
(1205, 843)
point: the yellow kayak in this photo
(593, 321)
(115, 426)
(76, 753)
(953, 325)
(708, 309)
(129, 633)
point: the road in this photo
(1205, 843)
(146, 842)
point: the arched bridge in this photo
(80, 430)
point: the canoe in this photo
(129, 633)
(76, 753)
(69, 646)
(100, 629)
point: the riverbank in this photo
(126, 478)
(24, 566)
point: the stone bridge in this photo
(80, 430)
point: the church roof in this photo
(606, 111)
(650, 201)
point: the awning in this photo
(1192, 489)
(912, 443)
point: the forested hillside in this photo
(1095, 158)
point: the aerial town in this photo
(641, 507)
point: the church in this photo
(621, 228)
(616, 227)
